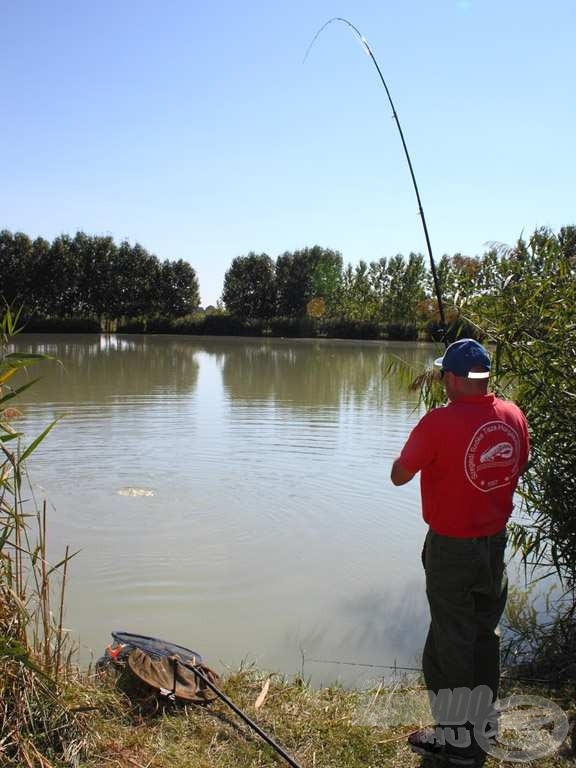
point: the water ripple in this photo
(261, 472)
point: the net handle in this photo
(175, 660)
(256, 728)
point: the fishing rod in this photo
(368, 50)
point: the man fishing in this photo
(470, 454)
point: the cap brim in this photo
(438, 362)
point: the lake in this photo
(265, 528)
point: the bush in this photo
(160, 325)
(192, 325)
(457, 329)
(293, 327)
(197, 325)
(352, 329)
(402, 331)
(61, 325)
(222, 325)
(131, 325)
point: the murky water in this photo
(233, 496)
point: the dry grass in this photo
(36, 725)
(319, 728)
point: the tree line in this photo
(304, 292)
(314, 282)
(89, 276)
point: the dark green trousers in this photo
(467, 586)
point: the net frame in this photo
(157, 648)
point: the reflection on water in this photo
(299, 375)
(267, 514)
(96, 369)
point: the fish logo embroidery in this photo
(493, 456)
(500, 454)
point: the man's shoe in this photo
(469, 757)
(425, 742)
(463, 760)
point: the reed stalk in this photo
(36, 726)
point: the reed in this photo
(36, 726)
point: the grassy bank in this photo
(317, 727)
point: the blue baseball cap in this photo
(462, 356)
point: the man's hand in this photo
(399, 475)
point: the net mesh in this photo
(157, 648)
(168, 677)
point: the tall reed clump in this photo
(36, 727)
(532, 321)
(528, 316)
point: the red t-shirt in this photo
(470, 454)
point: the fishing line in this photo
(368, 50)
(394, 667)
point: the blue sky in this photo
(196, 130)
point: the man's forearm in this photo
(400, 475)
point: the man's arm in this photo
(418, 452)
(399, 475)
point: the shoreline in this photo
(329, 727)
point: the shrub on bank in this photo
(61, 325)
(293, 327)
(222, 325)
(160, 325)
(457, 329)
(402, 331)
(131, 325)
(340, 328)
(192, 325)
(228, 325)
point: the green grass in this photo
(318, 727)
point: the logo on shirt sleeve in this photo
(492, 459)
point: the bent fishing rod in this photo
(368, 50)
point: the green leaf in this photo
(16, 651)
(9, 371)
(23, 356)
(35, 554)
(18, 391)
(8, 437)
(32, 447)
(12, 649)
(64, 560)
(6, 533)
